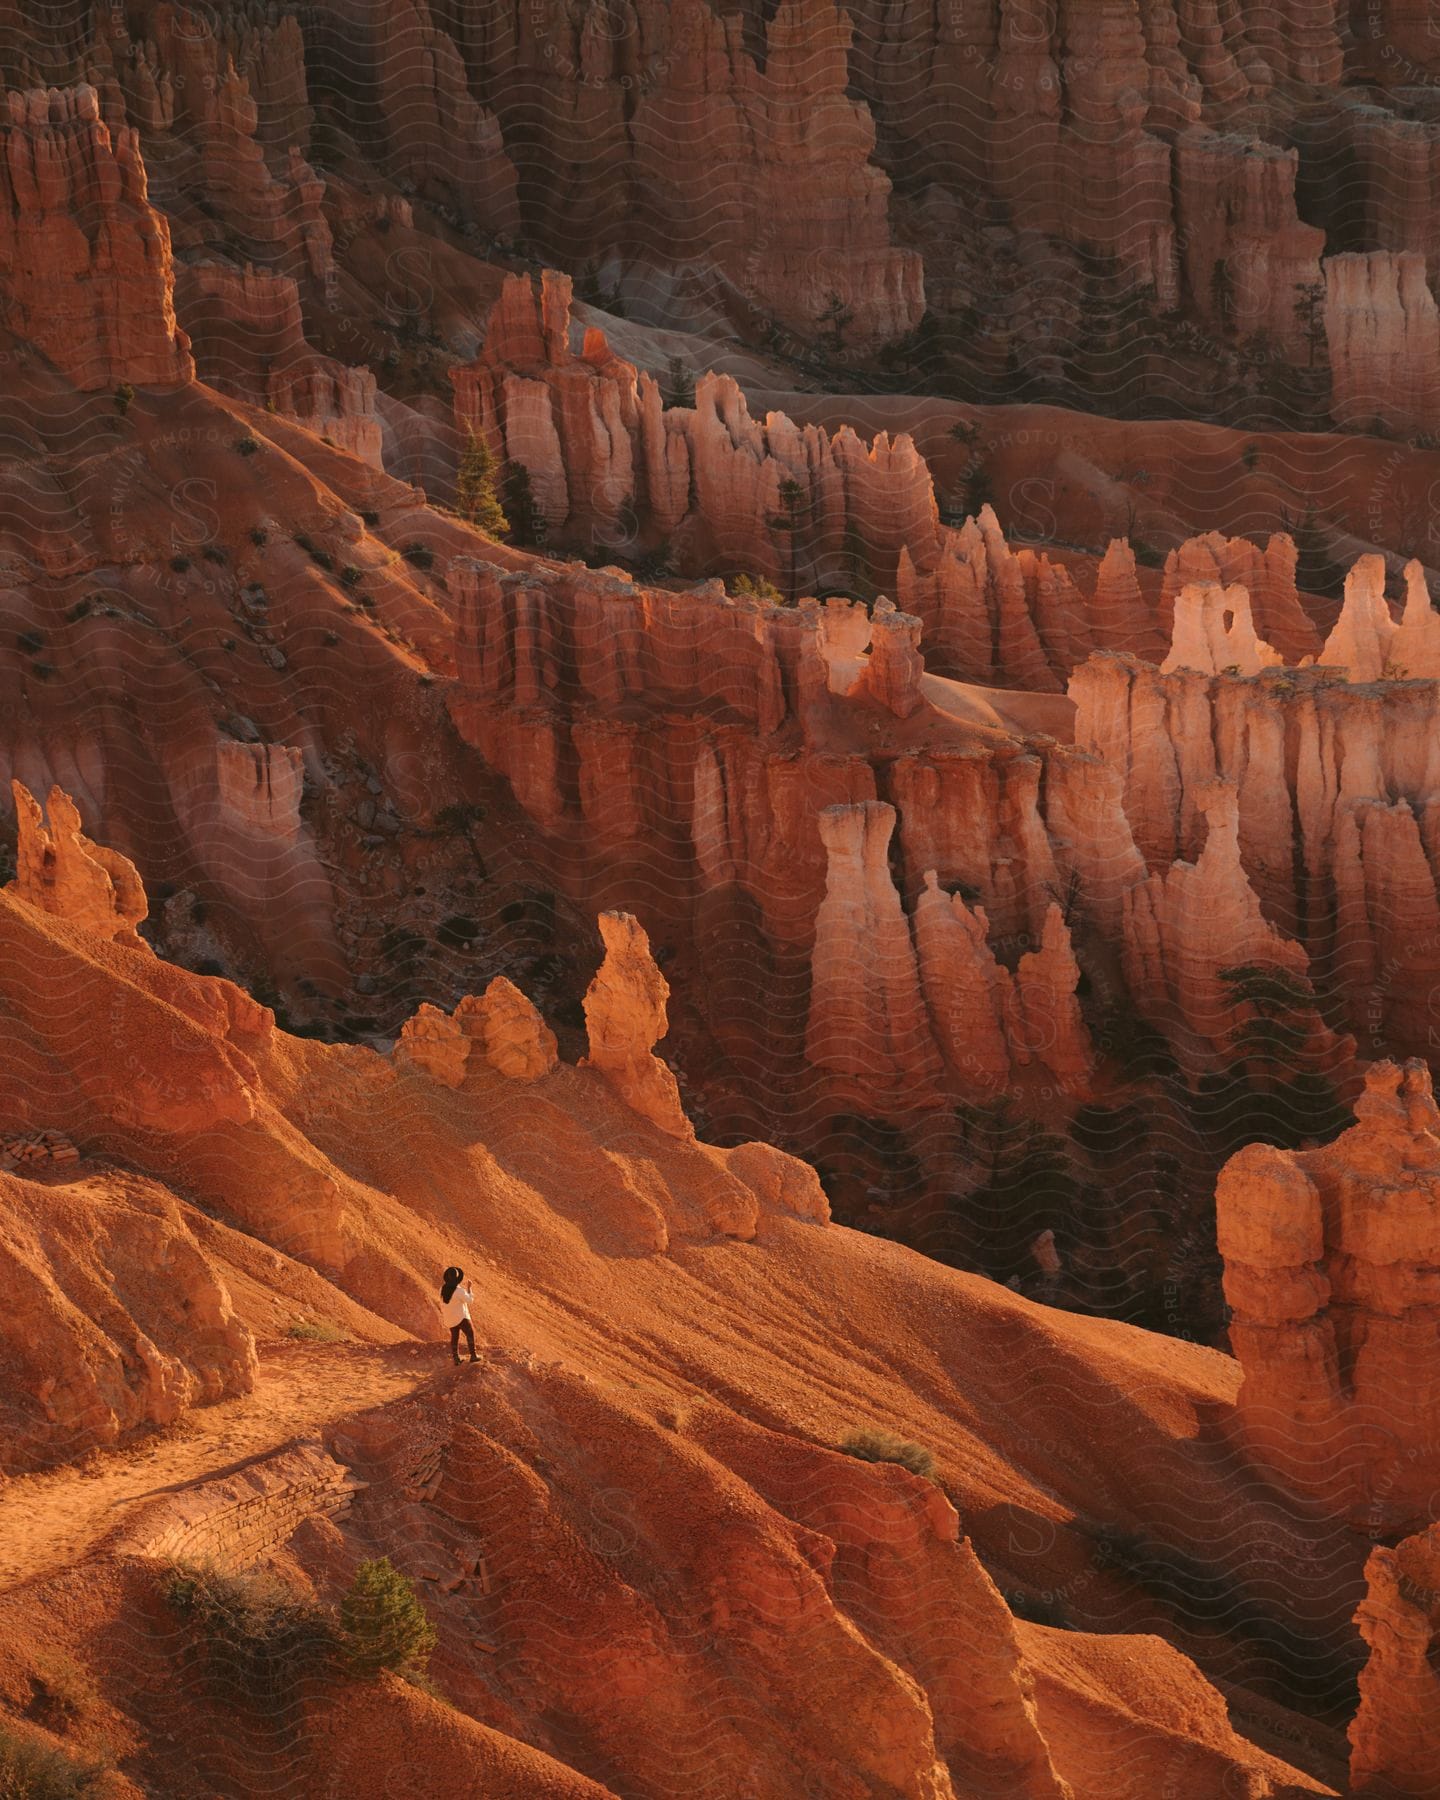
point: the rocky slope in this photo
(612, 1474)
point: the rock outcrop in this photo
(416, 106)
(337, 404)
(502, 1025)
(514, 1039)
(868, 1019)
(625, 1017)
(1394, 1745)
(1329, 1259)
(1188, 924)
(87, 274)
(1267, 576)
(60, 871)
(1214, 633)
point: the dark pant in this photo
(469, 1331)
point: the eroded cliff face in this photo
(1328, 1255)
(712, 181)
(1332, 784)
(87, 264)
(610, 464)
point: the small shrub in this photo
(330, 639)
(247, 446)
(316, 1331)
(369, 519)
(384, 1623)
(30, 642)
(213, 554)
(884, 1446)
(754, 587)
(179, 564)
(259, 536)
(124, 396)
(33, 1771)
(42, 671)
(420, 556)
(80, 610)
(229, 646)
(322, 559)
(260, 1636)
(351, 576)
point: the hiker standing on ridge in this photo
(455, 1305)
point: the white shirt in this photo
(457, 1307)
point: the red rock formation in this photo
(511, 1036)
(1248, 258)
(1267, 576)
(1394, 1747)
(85, 258)
(1414, 651)
(436, 1044)
(412, 83)
(1214, 633)
(625, 1017)
(1329, 1256)
(208, 84)
(1374, 170)
(241, 324)
(1333, 786)
(868, 1019)
(1364, 633)
(1382, 328)
(515, 1039)
(60, 871)
(703, 179)
(1044, 1017)
(1184, 926)
(606, 458)
(337, 404)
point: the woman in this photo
(455, 1305)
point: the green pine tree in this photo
(385, 1625)
(678, 386)
(794, 501)
(475, 497)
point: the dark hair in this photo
(453, 1278)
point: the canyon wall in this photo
(735, 183)
(86, 258)
(1334, 789)
(1383, 332)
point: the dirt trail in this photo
(54, 1519)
